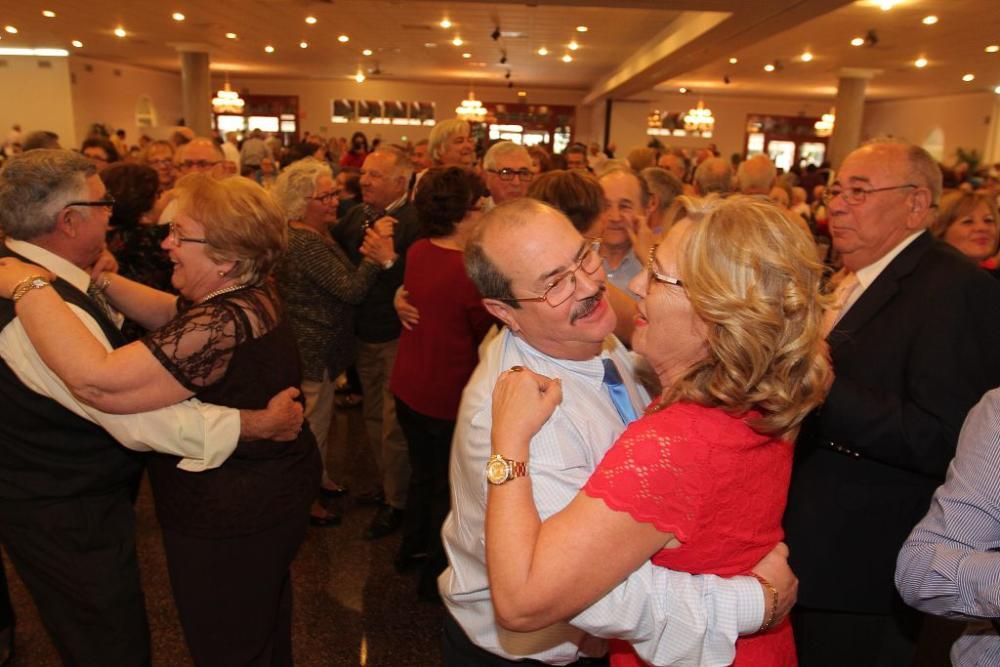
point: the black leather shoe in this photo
(333, 493)
(387, 520)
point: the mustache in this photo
(587, 306)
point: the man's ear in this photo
(67, 221)
(920, 209)
(503, 312)
(654, 203)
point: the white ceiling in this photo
(632, 47)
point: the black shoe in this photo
(370, 498)
(387, 520)
(333, 493)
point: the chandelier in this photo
(227, 100)
(824, 126)
(471, 109)
(699, 119)
(654, 119)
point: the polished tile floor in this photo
(351, 607)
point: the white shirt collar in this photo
(63, 268)
(868, 274)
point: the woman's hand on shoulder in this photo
(522, 402)
(13, 272)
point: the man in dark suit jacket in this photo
(913, 350)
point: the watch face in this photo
(496, 471)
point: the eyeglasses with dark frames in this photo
(326, 197)
(855, 195)
(108, 202)
(563, 286)
(175, 234)
(656, 275)
(507, 174)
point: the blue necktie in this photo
(619, 394)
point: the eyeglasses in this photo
(656, 275)
(507, 174)
(166, 162)
(563, 286)
(855, 196)
(107, 202)
(326, 197)
(198, 164)
(175, 234)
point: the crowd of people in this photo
(663, 409)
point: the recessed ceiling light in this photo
(368, 52)
(997, 90)
(77, 43)
(343, 39)
(806, 56)
(303, 45)
(466, 55)
(11, 29)
(992, 48)
(430, 45)
(733, 61)
(858, 41)
(582, 28)
(268, 49)
(567, 58)
(930, 20)
(573, 46)
(543, 51)
(445, 23)
(457, 41)
(230, 35)
(48, 13)
(886, 5)
(177, 16)
(769, 67)
(968, 77)
(683, 90)
(359, 77)
(120, 32)
(920, 62)
(311, 20)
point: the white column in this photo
(850, 108)
(196, 90)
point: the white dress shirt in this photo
(203, 435)
(867, 275)
(670, 617)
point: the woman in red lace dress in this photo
(730, 321)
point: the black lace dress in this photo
(231, 533)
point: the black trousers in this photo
(428, 499)
(77, 558)
(234, 595)
(457, 650)
(833, 639)
(6, 618)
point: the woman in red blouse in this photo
(730, 321)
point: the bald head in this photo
(714, 175)
(756, 176)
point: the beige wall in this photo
(37, 97)
(108, 93)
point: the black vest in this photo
(46, 451)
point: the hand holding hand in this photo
(14, 271)
(409, 315)
(522, 402)
(377, 248)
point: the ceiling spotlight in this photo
(543, 51)
(77, 43)
(445, 23)
(930, 20)
(268, 49)
(567, 58)
(997, 90)
(177, 16)
(992, 48)
(858, 41)
(230, 35)
(806, 56)
(457, 41)
(920, 62)
(495, 34)
(343, 39)
(466, 55)
(507, 75)
(48, 13)
(683, 90)
(769, 67)
(311, 20)
(303, 45)
(886, 5)
(871, 38)
(366, 52)
(12, 30)
(726, 80)
(503, 57)
(580, 28)
(733, 61)
(119, 31)
(968, 77)
(359, 77)
(573, 46)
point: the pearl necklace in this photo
(224, 290)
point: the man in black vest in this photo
(66, 516)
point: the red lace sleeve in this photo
(657, 471)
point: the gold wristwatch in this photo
(26, 285)
(500, 470)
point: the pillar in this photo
(196, 91)
(991, 151)
(850, 109)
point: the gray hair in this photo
(714, 175)
(36, 186)
(663, 184)
(756, 175)
(643, 187)
(442, 132)
(500, 149)
(402, 165)
(296, 184)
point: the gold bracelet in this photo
(26, 285)
(769, 622)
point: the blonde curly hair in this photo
(753, 276)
